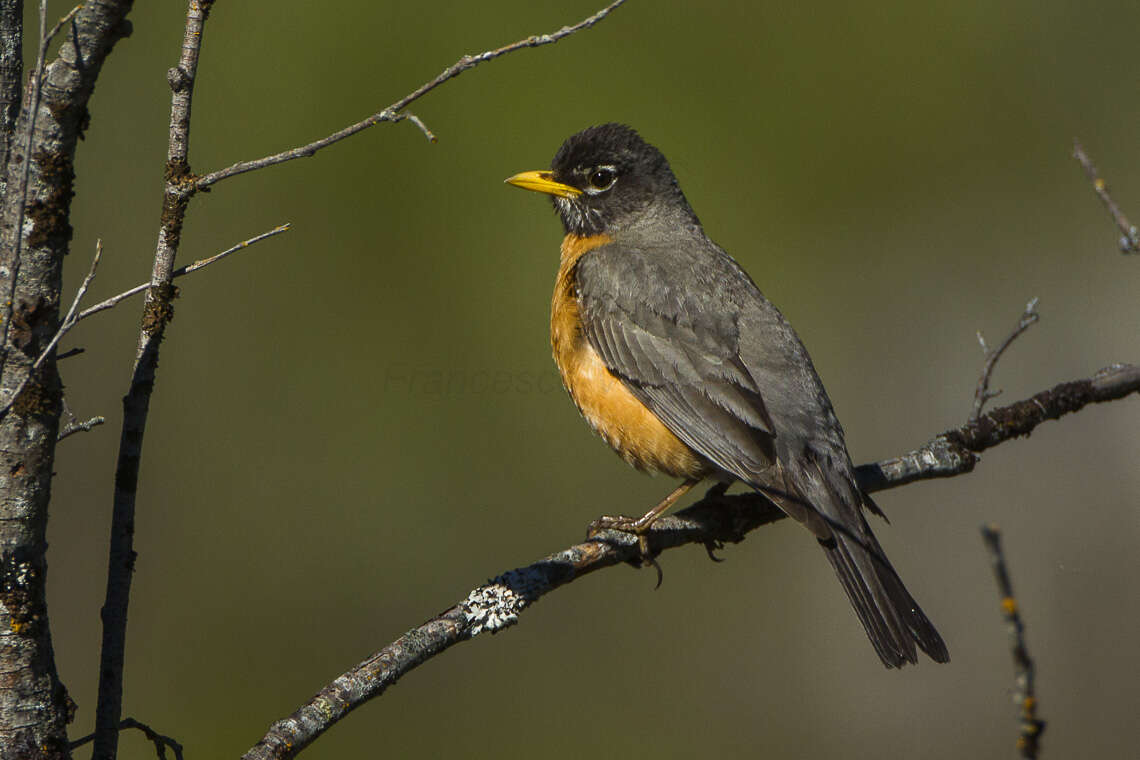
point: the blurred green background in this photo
(333, 455)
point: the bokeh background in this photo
(358, 422)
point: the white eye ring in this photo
(600, 179)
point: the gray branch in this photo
(38, 171)
(711, 522)
(158, 310)
(1129, 234)
(1030, 727)
(395, 112)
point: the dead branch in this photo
(181, 271)
(1129, 234)
(395, 112)
(1030, 726)
(982, 393)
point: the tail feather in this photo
(831, 506)
(893, 620)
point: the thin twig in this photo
(982, 394)
(711, 522)
(395, 112)
(68, 322)
(1130, 236)
(114, 300)
(80, 427)
(423, 127)
(160, 742)
(59, 26)
(1031, 727)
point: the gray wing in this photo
(694, 340)
(666, 322)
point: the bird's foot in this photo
(634, 526)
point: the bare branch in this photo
(1031, 727)
(69, 353)
(79, 427)
(1130, 236)
(395, 112)
(181, 184)
(58, 27)
(35, 234)
(68, 322)
(158, 310)
(982, 394)
(711, 522)
(954, 452)
(423, 127)
(161, 743)
(201, 263)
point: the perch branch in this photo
(711, 522)
(1130, 236)
(1031, 727)
(395, 112)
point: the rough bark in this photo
(34, 238)
(11, 74)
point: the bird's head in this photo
(606, 179)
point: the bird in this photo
(677, 360)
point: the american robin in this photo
(680, 363)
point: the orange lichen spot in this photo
(1009, 605)
(1099, 184)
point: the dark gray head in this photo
(606, 179)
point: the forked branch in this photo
(395, 112)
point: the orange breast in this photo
(615, 414)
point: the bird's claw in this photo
(634, 527)
(711, 546)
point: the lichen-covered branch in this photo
(34, 238)
(955, 451)
(11, 75)
(711, 522)
(1030, 727)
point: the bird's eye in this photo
(603, 177)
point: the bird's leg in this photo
(639, 526)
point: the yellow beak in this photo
(543, 182)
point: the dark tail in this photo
(831, 506)
(893, 620)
